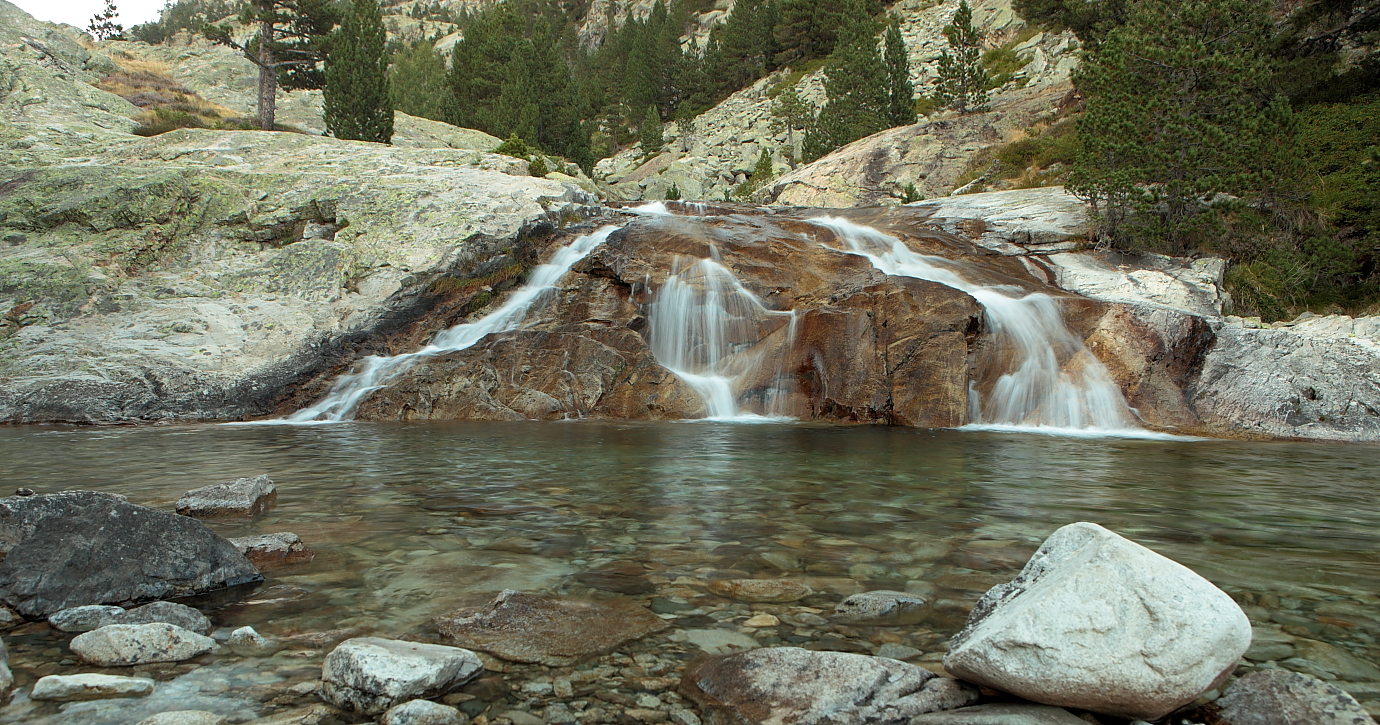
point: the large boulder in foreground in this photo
(370, 675)
(75, 548)
(1100, 623)
(554, 632)
(798, 686)
(1280, 697)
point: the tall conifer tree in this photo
(901, 111)
(358, 103)
(856, 83)
(418, 83)
(962, 82)
(288, 47)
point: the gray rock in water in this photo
(270, 551)
(882, 608)
(122, 645)
(1100, 623)
(1001, 714)
(369, 674)
(82, 547)
(72, 688)
(85, 618)
(1281, 697)
(95, 616)
(793, 685)
(241, 497)
(6, 677)
(555, 632)
(422, 712)
(247, 642)
(184, 717)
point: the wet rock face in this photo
(1100, 623)
(793, 685)
(554, 632)
(863, 346)
(270, 551)
(1281, 697)
(79, 547)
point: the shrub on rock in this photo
(1098, 622)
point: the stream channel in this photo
(410, 521)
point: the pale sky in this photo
(79, 12)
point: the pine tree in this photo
(418, 81)
(856, 83)
(651, 133)
(289, 47)
(1182, 119)
(103, 24)
(792, 115)
(901, 111)
(962, 83)
(358, 103)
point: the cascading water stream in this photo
(1056, 382)
(347, 392)
(705, 326)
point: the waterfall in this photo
(347, 392)
(1055, 382)
(705, 328)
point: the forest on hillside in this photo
(1230, 127)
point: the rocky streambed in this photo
(707, 541)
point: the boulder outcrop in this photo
(81, 547)
(1100, 623)
(1281, 697)
(369, 675)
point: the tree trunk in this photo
(268, 77)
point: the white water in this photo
(1055, 383)
(705, 328)
(340, 403)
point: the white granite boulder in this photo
(1100, 623)
(122, 645)
(369, 674)
(72, 688)
(422, 712)
(241, 497)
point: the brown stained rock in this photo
(760, 590)
(270, 551)
(241, 497)
(800, 687)
(1280, 697)
(555, 632)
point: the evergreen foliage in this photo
(1182, 123)
(792, 115)
(856, 82)
(419, 84)
(103, 24)
(1090, 20)
(910, 194)
(358, 102)
(183, 16)
(962, 83)
(673, 193)
(901, 110)
(651, 133)
(289, 47)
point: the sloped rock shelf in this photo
(412, 521)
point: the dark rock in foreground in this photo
(1280, 697)
(554, 632)
(801, 687)
(241, 497)
(82, 547)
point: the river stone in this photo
(1100, 623)
(241, 497)
(121, 645)
(6, 677)
(83, 547)
(85, 619)
(1281, 697)
(554, 632)
(1001, 714)
(721, 641)
(184, 717)
(270, 551)
(247, 642)
(882, 608)
(422, 712)
(70, 688)
(801, 687)
(370, 674)
(760, 590)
